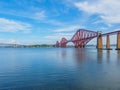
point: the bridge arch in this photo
(82, 37)
(63, 42)
(79, 39)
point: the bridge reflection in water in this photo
(95, 68)
(80, 55)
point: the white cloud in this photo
(117, 29)
(9, 41)
(108, 10)
(39, 15)
(7, 25)
(69, 28)
(12, 41)
(58, 36)
(55, 22)
(63, 32)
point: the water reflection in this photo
(118, 56)
(79, 55)
(99, 56)
(33, 69)
(63, 53)
(108, 56)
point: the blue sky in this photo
(45, 21)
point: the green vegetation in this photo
(25, 46)
(41, 45)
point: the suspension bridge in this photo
(82, 37)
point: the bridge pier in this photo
(79, 44)
(118, 41)
(99, 41)
(108, 43)
(63, 42)
(63, 45)
(57, 44)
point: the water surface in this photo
(59, 69)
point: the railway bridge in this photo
(82, 37)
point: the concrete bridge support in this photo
(108, 43)
(99, 41)
(118, 41)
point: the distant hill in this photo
(5, 45)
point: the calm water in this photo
(59, 69)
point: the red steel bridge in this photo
(82, 37)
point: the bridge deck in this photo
(110, 33)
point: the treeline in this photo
(42, 45)
(25, 46)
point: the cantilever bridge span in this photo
(82, 37)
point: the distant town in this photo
(4, 45)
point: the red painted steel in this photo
(111, 33)
(63, 42)
(82, 37)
